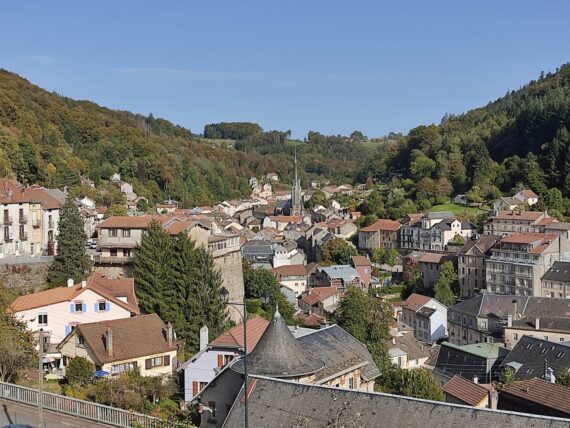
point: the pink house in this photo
(59, 310)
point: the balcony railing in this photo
(7, 220)
(23, 220)
(113, 260)
(36, 223)
(24, 236)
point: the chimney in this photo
(394, 340)
(169, 335)
(475, 379)
(203, 338)
(549, 375)
(83, 284)
(509, 320)
(109, 341)
(515, 310)
(493, 399)
(70, 282)
(537, 323)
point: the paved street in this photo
(11, 413)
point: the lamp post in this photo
(225, 296)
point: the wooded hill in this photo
(519, 139)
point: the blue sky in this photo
(325, 65)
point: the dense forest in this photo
(521, 139)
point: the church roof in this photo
(278, 354)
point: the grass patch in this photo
(458, 210)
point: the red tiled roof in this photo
(433, 258)
(110, 289)
(313, 320)
(286, 218)
(415, 301)
(540, 392)
(41, 195)
(127, 222)
(318, 294)
(233, 338)
(465, 390)
(290, 270)
(519, 215)
(529, 193)
(360, 261)
(382, 224)
(527, 238)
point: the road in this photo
(12, 413)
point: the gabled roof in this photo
(529, 355)
(410, 345)
(519, 215)
(290, 270)
(415, 301)
(127, 222)
(434, 258)
(560, 271)
(483, 243)
(528, 193)
(559, 325)
(465, 390)
(133, 337)
(233, 338)
(540, 392)
(319, 294)
(110, 289)
(279, 403)
(383, 224)
(360, 261)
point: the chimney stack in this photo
(204, 338)
(475, 379)
(493, 399)
(109, 342)
(83, 284)
(515, 310)
(537, 323)
(169, 334)
(70, 282)
(393, 340)
(509, 320)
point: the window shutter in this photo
(220, 360)
(96, 307)
(67, 329)
(167, 360)
(107, 306)
(72, 308)
(135, 365)
(194, 388)
(84, 307)
(148, 364)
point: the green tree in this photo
(418, 383)
(142, 205)
(180, 283)
(368, 320)
(71, 259)
(79, 371)
(17, 350)
(445, 284)
(256, 282)
(509, 376)
(337, 251)
(564, 378)
(117, 210)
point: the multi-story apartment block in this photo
(382, 234)
(433, 231)
(24, 215)
(517, 221)
(471, 264)
(556, 281)
(519, 261)
(426, 316)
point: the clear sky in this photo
(325, 65)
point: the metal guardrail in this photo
(78, 408)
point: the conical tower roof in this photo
(278, 354)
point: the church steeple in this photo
(296, 192)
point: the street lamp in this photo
(224, 297)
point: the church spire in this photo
(296, 192)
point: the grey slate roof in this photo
(558, 324)
(278, 354)
(530, 353)
(560, 271)
(426, 312)
(369, 371)
(483, 242)
(277, 403)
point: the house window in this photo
(516, 336)
(126, 233)
(113, 233)
(113, 252)
(157, 362)
(125, 367)
(126, 252)
(6, 233)
(78, 306)
(42, 319)
(101, 306)
(351, 383)
(80, 339)
(228, 359)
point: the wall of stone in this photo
(24, 278)
(230, 266)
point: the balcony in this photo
(51, 225)
(36, 223)
(7, 220)
(118, 242)
(113, 260)
(23, 220)
(24, 236)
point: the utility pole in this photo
(41, 380)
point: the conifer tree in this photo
(71, 259)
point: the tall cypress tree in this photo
(71, 259)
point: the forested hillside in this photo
(518, 140)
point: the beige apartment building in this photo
(508, 222)
(471, 264)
